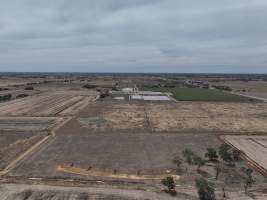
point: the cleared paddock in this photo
(127, 153)
(174, 117)
(48, 104)
(28, 124)
(254, 147)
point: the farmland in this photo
(254, 147)
(251, 88)
(67, 134)
(199, 94)
(208, 117)
(41, 105)
(18, 134)
(29, 124)
(197, 117)
(125, 152)
(14, 143)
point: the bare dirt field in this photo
(49, 104)
(200, 117)
(45, 192)
(14, 144)
(127, 153)
(254, 147)
(29, 124)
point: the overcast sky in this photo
(217, 36)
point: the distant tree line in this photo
(6, 97)
(29, 88)
(21, 96)
(222, 87)
(89, 86)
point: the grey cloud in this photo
(133, 35)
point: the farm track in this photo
(32, 150)
(20, 158)
(35, 114)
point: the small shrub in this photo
(29, 88)
(89, 86)
(21, 96)
(189, 155)
(211, 154)
(226, 154)
(169, 183)
(205, 189)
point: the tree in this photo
(211, 154)
(249, 180)
(205, 189)
(197, 160)
(223, 191)
(178, 162)
(104, 94)
(225, 154)
(169, 183)
(21, 96)
(218, 168)
(89, 86)
(189, 155)
(29, 88)
(236, 155)
(6, 97)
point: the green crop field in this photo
(200, 94)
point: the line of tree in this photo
(222, 87)
(21, 96)
(6, 97)
(29, 88)
(90, 86)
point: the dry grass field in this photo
(254, 147)
(49, 104)
(29, 124)
(197, 117)
(108, 116)
(208, 117)
(253, 88)
(9, 81)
